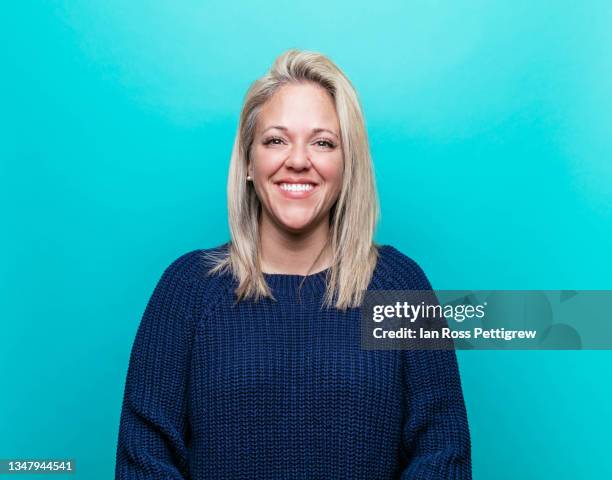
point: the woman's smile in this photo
(296, 191)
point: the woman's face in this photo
(296, 157)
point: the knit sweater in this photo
(282, 389)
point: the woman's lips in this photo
(296, 194)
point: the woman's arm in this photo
(153, 428)
(435, 435)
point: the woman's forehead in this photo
(299, 108)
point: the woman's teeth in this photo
(296, 187)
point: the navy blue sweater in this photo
(283, 390)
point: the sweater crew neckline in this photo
(288, 283)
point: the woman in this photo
(247, 361)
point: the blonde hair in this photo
(353, 217)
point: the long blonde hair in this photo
(353, 217)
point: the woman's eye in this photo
(273, 141)
(325, 143)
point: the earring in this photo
(249, 178)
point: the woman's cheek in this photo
(332, 170)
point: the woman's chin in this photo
(296, 225)
(295, 220)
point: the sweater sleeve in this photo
(153, 430)
(436, 436)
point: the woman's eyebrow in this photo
(314, 130)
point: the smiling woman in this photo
(301, 192)
(234, 374)
(296, 162)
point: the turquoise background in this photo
(490, 126)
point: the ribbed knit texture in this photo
(283, 390)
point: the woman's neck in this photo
(291, 253)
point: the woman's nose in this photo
(298, 157)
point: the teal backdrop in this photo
(490, 127)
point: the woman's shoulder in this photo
(400, 271)
(193, 266)
(191, 271)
